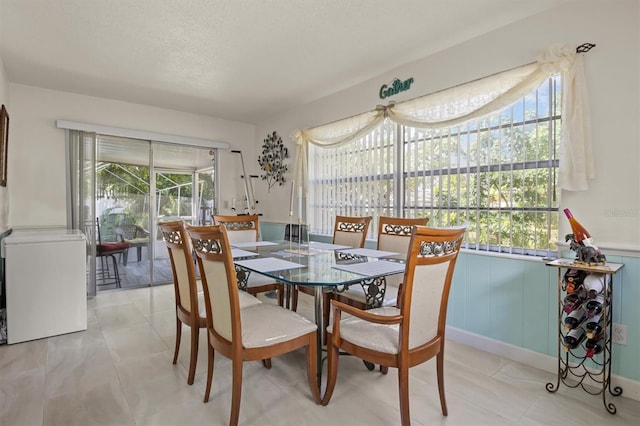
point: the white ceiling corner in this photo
(242, 60)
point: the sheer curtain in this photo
(81, 148)
(473, 100)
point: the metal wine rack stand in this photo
(572, 370)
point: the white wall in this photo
(610, 209)
(37, 169)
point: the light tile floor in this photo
(119, 372)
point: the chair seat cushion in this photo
(256, 280)
(379, 337)
(266, 324)
(245, 299)
(107, 247)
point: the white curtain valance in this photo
(477, 99)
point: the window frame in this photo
(401, 205)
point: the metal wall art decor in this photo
(4, 143)
(271, 160)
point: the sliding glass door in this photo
(122, 204)
(124, 187)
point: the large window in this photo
(498, 174)
(356, 179)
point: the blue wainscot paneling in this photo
(539, 305)
(514, 300)
(626, 297)
(478, 295)
(272, 231)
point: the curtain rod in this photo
(140, 134)
(585, 47)
(582, 48)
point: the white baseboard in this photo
(631, 388)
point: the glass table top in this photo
(314, 264)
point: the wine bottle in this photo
(573, 338)
(595, 282)
(594, 306)
(574, 319)
(593, 326)
(573, 279)
(594, 346)
(580, 234)
(571, 302)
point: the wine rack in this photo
(575, 368)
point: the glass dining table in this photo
(324, 267)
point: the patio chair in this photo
(104, 251)
(134, 235)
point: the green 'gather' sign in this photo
(395, 87)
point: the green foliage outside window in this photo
(130, 185)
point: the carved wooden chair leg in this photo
(210, 357)
(403, 387)
(294, 299)
(178, 337)
(193, 359)
(281, 295)
(332, 370)
(312, 363)
(236, 391)
(440, 374)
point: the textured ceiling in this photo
(243, 60)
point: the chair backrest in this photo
(240, 229)
(98, 236)
(130, 231)
(351, 231)
(184, 273)
(90, 231)
(217, 271)
(430, 265)
(394, 233)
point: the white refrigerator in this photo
(45, 277)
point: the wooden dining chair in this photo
(189, 298)
(348, 231)
(255, 333)
(246, 229)
(394, 235)
(351, 231)
(412, 332)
